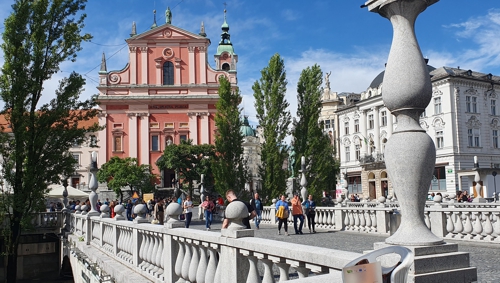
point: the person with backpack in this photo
(282, 213)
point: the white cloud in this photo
(483, 32)
(290, 15)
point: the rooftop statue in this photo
(168, 16)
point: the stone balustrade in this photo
(450, 220)
(163, 254)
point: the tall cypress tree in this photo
(309, 139)
(39, 36)
(228, 162)
(274, 118)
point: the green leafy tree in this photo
(127, 172)
(35, 141)
(189, 161)
(308, 137)
(228, 163)
(274, 117)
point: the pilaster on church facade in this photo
(164, 94)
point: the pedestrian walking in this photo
(188, 210)
(256, 203)
(208, 208)
(310, 206)
(297, 214)
(282, 213)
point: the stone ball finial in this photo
(104, 211)
(235, 212)
(119, 209)
(438, 199)
(273, 201)
(381, 199)
(173, 211)
(78, 209)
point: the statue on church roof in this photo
(168, 16)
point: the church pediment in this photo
(166, 31)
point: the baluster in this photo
(212, 263)
(144, 250)
(459, 227)
(362, 221)
(253, 273)
(496, 226)
(268, 270)
(159, 258)
(202, 265)
(284, 270)
(478, 226)
(328, 219)
(368, 221)
(152, 256)
(374, 220)
(332, 219)
(356, 220)
(302, 271)
(426, 219)
(488, 227)
(346, 220)
(195, 259)
(351, 220)
(187, 259)
(180, 259)
(218, 268)
(449, 224)
(467, 227)
(316, 218)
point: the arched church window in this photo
(225, 67)
(168, 73)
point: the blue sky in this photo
(338, 35)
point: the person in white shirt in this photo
(188, 210)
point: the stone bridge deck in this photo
(483, 256)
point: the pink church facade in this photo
(166, 93)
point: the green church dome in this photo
(245, 129)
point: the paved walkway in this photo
(485, 257)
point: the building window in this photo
(168, 73)
(493, 107)
(327, 124)
(155, 143)
(93, 141)
(332, 124)
(346, 128)
(467, 104)
(76, 156)
(347, 154)
(354, 185)
(438, 180)
(437, 105)
(383, 114)
(358, 152)
(370, 121)
(473, 138)
(117, 143)
(169, 125)
(423, 115)
(439, 139)
(183, 125)
(183, 137)
(474, 104)
(356, 126)
(154, 125)
(495, 138)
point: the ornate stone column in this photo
(93, 184)
(66, 211)
(410, 154)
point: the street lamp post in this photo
(494, 173)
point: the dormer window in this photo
(469, 73)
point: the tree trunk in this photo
(12, 245)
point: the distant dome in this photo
(380, 78)
(245, 129)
